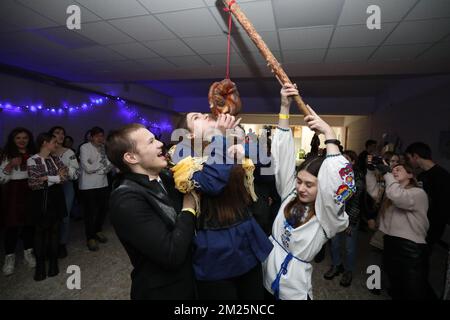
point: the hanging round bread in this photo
(224, 98)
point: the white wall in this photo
(359, 129)
(415, 110)
(19, 91)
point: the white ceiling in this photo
(139, 40)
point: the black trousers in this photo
(95, 203)
(405, 263)
(46, 241)
(50, 207)
(12, 235)
(248, 286)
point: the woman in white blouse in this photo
(312, 209)
(69, 159)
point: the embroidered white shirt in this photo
(305, 241)
(94, 167)
(15, 174)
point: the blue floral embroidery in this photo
(286, 236)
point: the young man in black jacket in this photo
(154, 222)
(435, 181)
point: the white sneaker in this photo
(8, 267)
(29, 258)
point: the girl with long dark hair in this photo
(15, 214)
(312, 208)
(229, 245)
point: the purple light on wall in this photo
(126, 111)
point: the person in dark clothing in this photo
(229, 245)
(435, 182)
(264, 183)
(352, 208)
(46, 174)
(368, 205)
(153, 221)
(371, 146)
(15, 211)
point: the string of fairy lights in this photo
(70, 109)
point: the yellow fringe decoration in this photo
(182, 175)
(184, 170)
(249, 168)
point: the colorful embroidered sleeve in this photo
(74, 167)
(36, 170)
(59, 164)
(104, 161)
(4, 176)
(336, 184)
(283, 155)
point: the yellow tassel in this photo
(249, 168)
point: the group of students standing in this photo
(38, 192)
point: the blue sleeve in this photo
(214, 176)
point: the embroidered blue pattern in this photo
(283, 270)
(286, 236)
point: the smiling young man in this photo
(153, 221)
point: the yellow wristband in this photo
(190, 210)
(283, 116)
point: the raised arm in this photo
(212, 177)
(404, 198)
(336, 181)
(283, 149)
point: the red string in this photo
(229, 37)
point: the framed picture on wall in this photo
(444, 144)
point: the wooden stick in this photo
(272, 62)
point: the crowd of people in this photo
(223, 224)
(40, 181)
